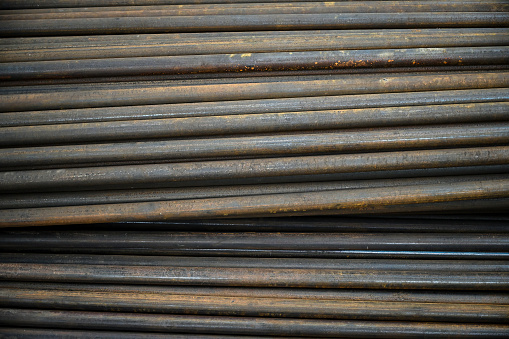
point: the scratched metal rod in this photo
(168, 242)
(151, 39)
(302, 263)
(243, 325)
(255, 277)
(254, 8)
(250, 306)
(274, 145)
(130, 48)
(157, 194)
(277, 61)
(454, 297)
(250, 168)
(50, 98)
(444, 207)
(304, 142)
(253, 75)
(53, 333)
(207, 23)
(307, 107)
(342, 202)
(71, 4)
(388, 223)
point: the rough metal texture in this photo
(366, 143)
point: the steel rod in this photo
(53, 333)
(32, 200)
(307, 106)
(51, 98)
(178, 242)
(208, 23)
(255, 277)
(241, 325)
(292, 263)
(20, 4)
(255, 307)
(254, 8)
(251, 168)
(276, 143)
(278, 61)
(454, 297)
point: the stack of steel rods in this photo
(311, 277)
(246, 168)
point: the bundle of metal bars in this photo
(443, 276)
(390, 117)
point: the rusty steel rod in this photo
(211, 23)
(252, 168)
(57, 42)
(451, 297)
(53, 333)
(278, 61)
(252, 75)
(49, 97)
(255, 8)
(242, 325)
(255, 277)
(174, 46)
(374, 200)
(307, 107)
(50, 4)
(256, 307)
(32, 200)
(307, 142)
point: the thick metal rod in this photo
(247, 62)
(53, 333)
(174, 45)
(255, 277)
(211, 23)
(256, 9)
(177, 243)
(49, 97)
(454, 297)
(251, 168)
(311, 107)
(292, 263)
(275, 144)
(338, 202)
(243, 325)
(71, 4)
(158, 194)
(253, 307)
(412, 223)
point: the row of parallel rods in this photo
(374, 128)
(108, 276)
